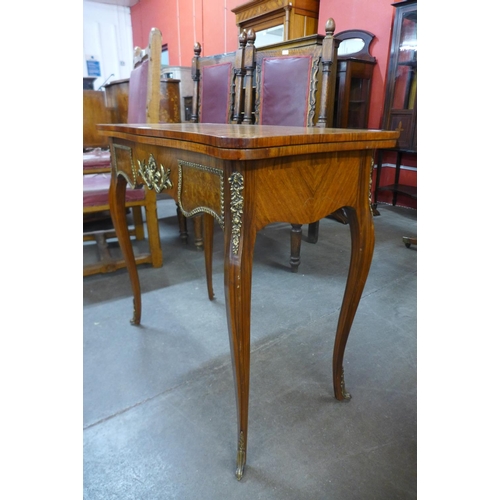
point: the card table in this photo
(246, 177)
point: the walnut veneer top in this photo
(252, 141)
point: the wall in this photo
(184, 22)
(107, 35)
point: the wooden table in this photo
(245, 177)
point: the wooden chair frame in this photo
(324, 64)
(151, 55)
(235, 95)
(234, 102)
(320, 107)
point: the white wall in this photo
(107, 35)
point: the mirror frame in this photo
(363, 53)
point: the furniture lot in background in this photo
(355, 67)
(143, 106)
(94, 112)
(294, 85)
(96, 180)
(278, 21)
(352, 90)
(183, 74)
(217, 98)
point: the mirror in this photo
(350, 46)
(269, 36)
(355, 44)
(164, 55)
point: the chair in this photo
(143, 107)
(218, 85)
(286, 93)
(296, 89)
(217, 98)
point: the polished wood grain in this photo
(249, 176)
(318, 88)
(94, 112)
(299, 17)
(117, 100)
(224, 92)
(151, 104)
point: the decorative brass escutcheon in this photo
(154, 177)
(236, 207)
(370, 185)
(240, 457)
(345, 394)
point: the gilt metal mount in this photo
(240, 457)
(345, 394)
(236, 207)
(154, 177)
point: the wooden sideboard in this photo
(299, 18)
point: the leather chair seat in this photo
(96, 159)
(96, 189)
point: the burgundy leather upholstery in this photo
(285, 88)
(96, 188)
(96, 185)
(138, 88)
(216, 81)
(96, 159)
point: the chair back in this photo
(294, 86)
(286, 91)
(218, 86)
(144, 83)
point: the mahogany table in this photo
(245, 177)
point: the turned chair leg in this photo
(312, 232)
(198, 231)
(182, 225)
(295, 242)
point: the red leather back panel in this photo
(285, 90)
(216, 81)
(138, 91)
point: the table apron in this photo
(298, 189)
(304, 189)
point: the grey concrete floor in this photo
(159, 404)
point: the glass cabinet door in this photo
(405, 88)
(401, 96)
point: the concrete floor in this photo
(159, 405)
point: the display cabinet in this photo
(400, 107)
(354, 78)
(400, 110)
